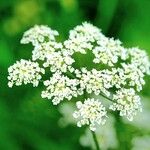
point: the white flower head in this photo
(117, 69)
(127, 102)
(60, 60)
(140, 59)
(23, 72)
(95, 81)
(108, 51)
(82, 37)
(118, 78)
(38, 34)
(91, 113)
(41, 51)
(134, 75)
(60, 87)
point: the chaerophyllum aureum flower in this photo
(91, 112)
(25, 71)
(117, 74)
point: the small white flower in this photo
(24, 71)
(41, 51)
(39, 34)
(133, 75)
(82, 37)
(127, 102)
(118, 78)
(60, 87)
(140, 59)
(94, 81)
(108, 51)
(60, 60)
(91, 113)
(91, 32)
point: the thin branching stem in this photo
(95, 140)
(108, 98)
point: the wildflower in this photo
(140, 59)
(95, 81)
(60, 87)
(60, 60)
(127, 102)
(116, 68)
(133, 75)
(82, 37)
(91, 113)
(108, 51)
(39, 34)
(118, 78)
(24, 71)
(41, 51)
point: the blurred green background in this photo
(28, 122)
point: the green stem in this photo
(106, 97)
(95, 140)
(122, 133)
(70, 75)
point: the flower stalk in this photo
(95, 140)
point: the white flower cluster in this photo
(108, 51)
(133, 75)
(91, 113)
(94, 81)
(60, 60)
(118, 79)
(41, 51)
(140, 59)
(82, 38)
(47, 49)
(39, 34)
(60, 87)
(127, 102)
(24, 71)
(120, 74)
